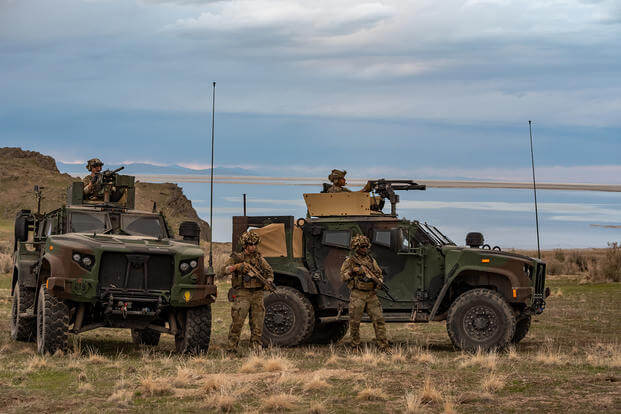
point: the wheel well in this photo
(473, 279)
(286, 280)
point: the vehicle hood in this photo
(495, 253)
(124, 242)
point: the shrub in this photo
(608, 268)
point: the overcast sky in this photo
(391, 88)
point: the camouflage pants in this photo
(362, 301)
(247, 303)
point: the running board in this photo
(388, 317)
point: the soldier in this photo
(358, 271)
(93, 187)
(337, 178)
(248, 296)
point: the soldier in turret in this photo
(248, 290)
(337, 178)
(93, 185)
(364, 277)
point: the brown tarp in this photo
(297, 242)
(273, 241)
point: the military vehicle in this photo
(93, 264)
(487, 296)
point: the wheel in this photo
(145, 337)
(289, 317)
(328, 333)
(195, 330)
(21, 229)
(22, 327)
(480, 319)
(52, 323)
(521, 328)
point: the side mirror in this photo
(190, 231)
(396, 240)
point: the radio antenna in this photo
(532, 160)
(213, 117)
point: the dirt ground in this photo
(569, 362)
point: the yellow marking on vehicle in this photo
(187, 295)
(484, 260)
(514, 293)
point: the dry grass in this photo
(414, 403)
(317, 407)
(95, 358)
(6, 263)
(556, 293)
(36, 363)
(151, 386)
(449, 407)
(429, 393)
(185, 377)
(493, 382)
(423, 356)
(316, 383)
(608, 269)
(85, 387)
(279, 402)
(604, 355)
(214, 382)
(260, 363)
(222, 402)
(372, 394)
(368, 357)
(121, 396)
(483, 359)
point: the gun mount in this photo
(386, 190)
(117, 191)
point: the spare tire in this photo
(21, 227)
(474, 239)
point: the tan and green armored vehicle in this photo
(93, 264)
(486, 296)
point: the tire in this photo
(145, 337)
(21, 229)
(23, 328)
(195, 330)
(521, 328)
(289, 318)
(328, 333)
(52, 323)
(480, 319)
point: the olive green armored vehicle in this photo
(486, 296)
(93, 264)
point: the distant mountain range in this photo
(145, 168)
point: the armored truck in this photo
(101, 263)
(486, 296)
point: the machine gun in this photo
(386, 189)
(368, 273)
(107, 180)
(252, 271)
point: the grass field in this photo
(569, 362)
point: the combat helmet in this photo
(249, 238)
(93, 162)
(360, 241)
(335, 175)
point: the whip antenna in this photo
(213, 117)
(532, 160)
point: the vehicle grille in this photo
(540, 280)
(136, 271)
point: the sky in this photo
(399, 89)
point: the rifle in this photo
(252, 271)
(371, 275)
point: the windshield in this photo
(142, 225)
(82, 222)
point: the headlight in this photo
(184, 267)
(193, 264)
(85, 261)
(88, 262)
(76, 257)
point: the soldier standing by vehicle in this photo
(251, 276)
(364, 277)
(93, 185)
(337, 178)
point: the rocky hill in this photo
(21, 170)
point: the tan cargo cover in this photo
(273, 240)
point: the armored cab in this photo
(101, 263)
(486, 296)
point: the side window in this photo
(337, 238)
(49, 227)
(381, 237)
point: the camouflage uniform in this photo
(363, 295)
(95, 192)
(334, 178)
(248, 296)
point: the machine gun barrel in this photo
(386, 189)
(115, 171)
